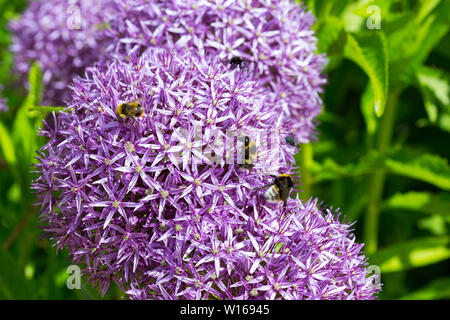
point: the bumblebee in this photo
(132, 109)
(291, 141)
(279, 189)
(236, 62)
(249, 153)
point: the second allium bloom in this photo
(63, 37)
(272, 40)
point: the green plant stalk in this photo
(377, 178)
(306, 160)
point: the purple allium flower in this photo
(304, 254)
(274, 37)
(64, 36)
(143, 201)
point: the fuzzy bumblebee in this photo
(132, 109)
(236, 62)
(279, 189)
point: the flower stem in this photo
(378, 177)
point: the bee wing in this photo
(263, 187)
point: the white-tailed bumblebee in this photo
(236, 62)
(132, 109)
(249, 153)
(279, 189)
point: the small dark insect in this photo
(132, 109)
(236, 62)
(249, 153)
(291, 141)
(279, 189)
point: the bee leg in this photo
(284, 206)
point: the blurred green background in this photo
(381, 155)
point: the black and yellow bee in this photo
(249, 153)
(236, 62)
(132, 109)
(279, 189)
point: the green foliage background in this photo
(381, 155)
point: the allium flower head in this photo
(63, 36)
(105, 179)
(153, 203)
(305, 254)
(273, 37)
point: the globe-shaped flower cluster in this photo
(162, 205)
(64, 37)
(272, 37)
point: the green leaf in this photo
(369, 51)
(331, 170)
(35, 81)
(24, 129)
(434, 224)
(426, 202)
(368, 111)
(426, 8)
(444, 121)
(405, 162)
(412, 254)
(400, 30)
(23, 133)
(325, 8)
(44, 110)
(7, 146)
(430, 26)
(363, 8)
(435, 89)
(328, 33)
(424, 167)
(436, 289)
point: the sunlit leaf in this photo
(7, 146)
(425, 167)
(35, 82)
(436, 289)
(412, 254)
(435, 224)
(331, 170)
(369, 51)
(435, 89)
(368, 110)
(431, 25)
(328, 33)
(426, 202)
(400, 30)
